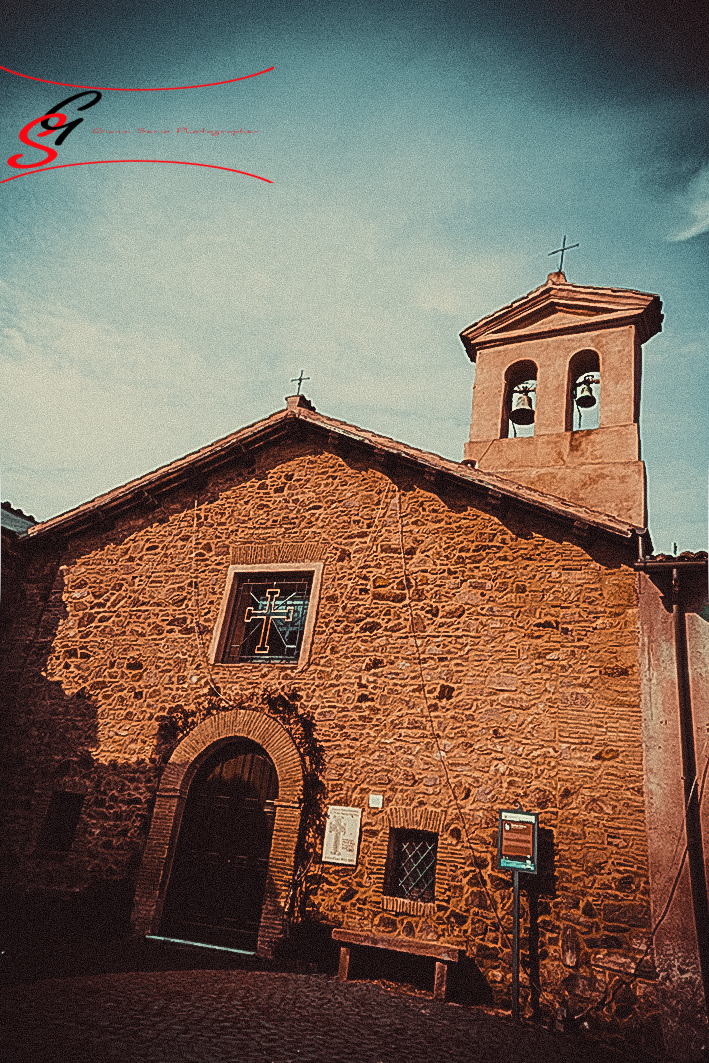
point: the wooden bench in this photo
(443, 954)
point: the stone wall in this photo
(464, 658)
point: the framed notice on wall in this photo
(517, 841)
(341, 835)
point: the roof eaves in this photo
(246, 439)
(629, 303)
(687, 559)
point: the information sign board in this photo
(517, 841)
(341, 835)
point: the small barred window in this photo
(411, 865)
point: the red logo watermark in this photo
(63, 127)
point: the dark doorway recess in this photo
(216, 889)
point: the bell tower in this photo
(556, 401)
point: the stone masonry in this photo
(469, 652)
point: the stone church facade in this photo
(306, 615)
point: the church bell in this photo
(585, 397)
(522, 413)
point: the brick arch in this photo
(192, 751)
(222, 728)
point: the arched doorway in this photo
(215, 733)
(216, 889)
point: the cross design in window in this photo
(268, 614)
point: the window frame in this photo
(393, 864)
(229, 598)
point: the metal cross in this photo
(564, 247)
(286, 613)
(299, 380)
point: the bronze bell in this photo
(585, 397)
(522, 412)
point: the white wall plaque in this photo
(341, 835)
(376, 800)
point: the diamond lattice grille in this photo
(416, 865)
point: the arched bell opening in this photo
(217, 883)
(520, 401)
(583, 402)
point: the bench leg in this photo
(344, 963)
(439, 986)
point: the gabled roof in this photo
(299, 413)
(557, 308)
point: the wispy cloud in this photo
(694, 204)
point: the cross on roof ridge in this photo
(563, 249)
(299, 380)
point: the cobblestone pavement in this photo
(208, 1016)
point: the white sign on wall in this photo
(341, 835)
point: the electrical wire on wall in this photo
(607, 996)
(432, 726)
(126, 606)
(196, 623)
(345, 599)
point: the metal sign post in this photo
(517, 851)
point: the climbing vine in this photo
(180, 720)
(283, 706)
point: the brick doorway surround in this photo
(200, 743)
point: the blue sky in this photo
(424, 161)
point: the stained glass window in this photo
(268, 615)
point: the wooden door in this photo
(216, 889)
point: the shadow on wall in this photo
(100, 912)
(308, 948)
(73, 829)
